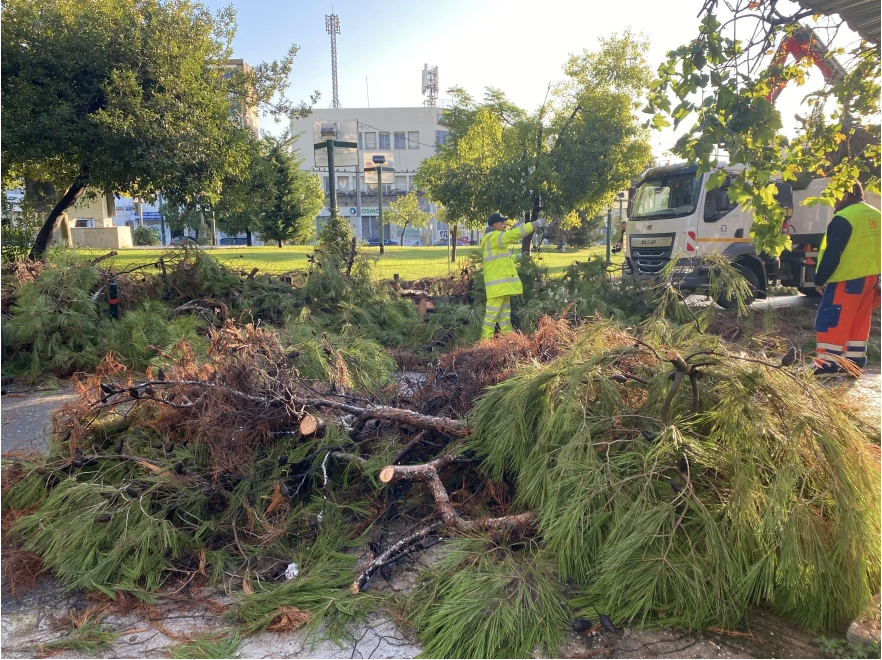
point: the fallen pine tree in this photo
(657, 474)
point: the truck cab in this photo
(672, 216)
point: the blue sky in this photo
(515, 45)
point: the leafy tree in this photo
(581, 147)
(461, 176)
(241, 200)
(735, 110)
(406, 211)
(288, 198)
(126, 95)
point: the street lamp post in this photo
(379, 160)
(329, 141)
(608, 235)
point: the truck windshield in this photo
(671, 196)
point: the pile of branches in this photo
(670, 479)
(459, 377)
(683, 486)
(664, 475)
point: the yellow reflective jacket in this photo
(500, 275)
(861, 256)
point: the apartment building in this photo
(411, 134)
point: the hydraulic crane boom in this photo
(802, 44)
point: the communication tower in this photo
(430, 85)
(332, 27)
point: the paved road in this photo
(26, 420)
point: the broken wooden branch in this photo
(404, 451)
(98, 260)
(428, 474)
(393, 553)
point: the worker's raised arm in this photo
(519, 231)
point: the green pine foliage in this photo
(54, 322)
(111, 524)
(347, 359)
(211, 645)
(487, 601)
(140, 334)
(764, 496)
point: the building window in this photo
(370, 141)
(400, 142)
(343, 183)
(441, 137)
(361, 183)
(325, 182)
(384, 141)
(400, 182)
(413, 139)
(387, 188)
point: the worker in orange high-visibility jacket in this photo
(501, 279)
(847, 276)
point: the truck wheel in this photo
(752, 280)
(809, 291)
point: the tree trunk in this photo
(53, 220)
(403, 229)
(527, 242)
(280, 242)
(453, 244)
(248, 237)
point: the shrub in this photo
(145, 236)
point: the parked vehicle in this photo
(183, 240)
(674, 216)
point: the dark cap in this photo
(857, 191)
(496, 217)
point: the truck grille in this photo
(651, 260)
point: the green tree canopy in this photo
(287, 197)
(129, 96)
(584, 144)
(406, 211)
(728, 85)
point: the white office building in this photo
(410, 134)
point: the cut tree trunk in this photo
(311, 425)
(56, 215)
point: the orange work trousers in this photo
(843, 321)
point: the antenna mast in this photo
(332, 27)
(430, 85)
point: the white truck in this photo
(673, 216)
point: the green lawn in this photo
(411, 263)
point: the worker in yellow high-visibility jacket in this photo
(501, 279)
